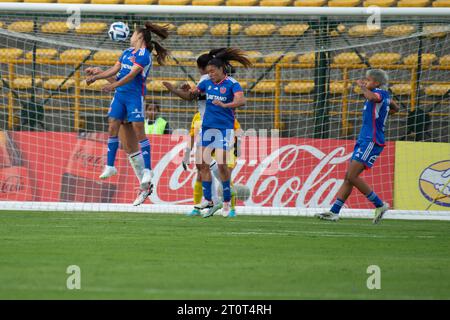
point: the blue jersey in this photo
(375, 115)
(128, 59)
(216, 116)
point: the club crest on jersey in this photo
(223, 90)
(132, 58)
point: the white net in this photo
(302, 83)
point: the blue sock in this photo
(145, 148)
(226, 191)
(337, 206)
(374, 199)
(207, 189)
(113, 145)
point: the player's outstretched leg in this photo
(113, 145)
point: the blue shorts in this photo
(217, 138)
(127, 107)
(366, 152)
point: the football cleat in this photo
(108, 172)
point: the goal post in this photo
(302, 117)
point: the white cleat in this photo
(329, 216)
(379, 212)
(226, 209)
(205, 205)
(213, 210)
(147, 176)
(108, 172)
(143, 195)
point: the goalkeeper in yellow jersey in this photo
(198, 192)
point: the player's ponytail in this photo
(221, 57)
(160, 31)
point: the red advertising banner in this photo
(293, 172)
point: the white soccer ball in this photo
(119, 31)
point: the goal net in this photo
(302, 117)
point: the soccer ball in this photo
(118, 31)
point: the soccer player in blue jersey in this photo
(369, 145)
(128, 103)
(223, 95)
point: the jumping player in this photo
(369, 145)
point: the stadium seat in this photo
(48, 53)
(21, 26)
(293, 30)
(343, 3)
(309, 3)
(39, 1)
(96, 86)
(437, 89)
(10, 0)
(287, 58)
(379, 3)
(441, 3)
(299, 87)
(260, 30)
(55, 27)
(72, 1)
(253, 56)
(207, 2)
(53, 84)
(182, 55)
(192, 29)
(307, 58)
(338, 87)
(265, 86)
(91, 28)
(427, 59)
(174, 2)
(10, 53)
(347, 58)
(401, 89)
(413, 3)
(384, 58)
(362, 30)
(445, 60)
(71, 55)
(25, 83)
(157, 85)
(436, 31)
(106, 1)
(247, 3)
(108, 56)
(275, 3)
(399, 30)
(222, 29)
(1, 24)
(140, 1)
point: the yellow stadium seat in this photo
(207, 2)
(379, 3)
(253, 56)
(107, 56)
(347, 58)
(445, 60)
(309, 3)
(182, 55)
(384, 58)
(274, 56)
(106, 1)
(192, 29)
(307, 58)
(265, 86)
(49, 53)
(91, 28)
(55, 27)
(427, 59)
(10, 0)
(338, 87)
(299, 87)
(401, 89)
(157, 85)
(174, 2)
(53, 84)
(73, 1)
(275, 3)
(1, 24)
(436, 31)
(39, 1)
(10, 53)
(293, 30)
(222, 29)
(413, 3)
(437, 89)
(25, 83)
(441, 3)
(96, 86)
(260, 30)
(21, 26)
(74, 55)
(247, 3)
(363, 30)
(399, 30)
(343, 3)
(139, 2)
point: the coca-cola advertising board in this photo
(288, 172)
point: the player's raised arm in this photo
(393, 107)
(135, 70)
(104, 74)
(183, 92)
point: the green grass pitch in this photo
(157, 256)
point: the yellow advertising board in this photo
(422, 176)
